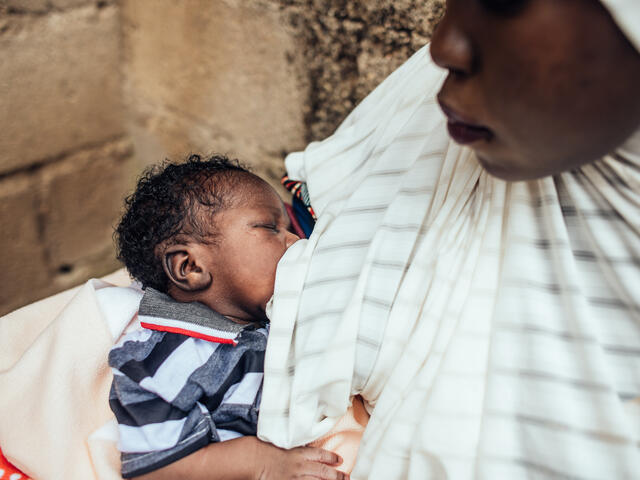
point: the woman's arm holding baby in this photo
(248, 458)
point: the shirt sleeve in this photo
(159, 421)
(173, 394)
(152, 432)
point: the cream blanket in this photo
(54, 379)
(492, 327)
(55, 422)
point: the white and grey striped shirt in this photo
(175, 391)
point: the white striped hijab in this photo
(626, 13)
(493, 327)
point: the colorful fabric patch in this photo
(299, 191)
(8, 471)
(301, 210)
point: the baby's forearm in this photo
(231, 460)
(247, 458)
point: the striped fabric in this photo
(493, 327)
(303, 215)
(174, 392)
(299, 190)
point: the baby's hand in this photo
(298, 463)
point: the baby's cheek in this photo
(264, 270)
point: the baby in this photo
(204, 238)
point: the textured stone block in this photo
(175, 136)
(213, 76)
(42, 6)
(23, 268)
(60, 84)
(83, 196)
(31, 6)
(351, 46)
(63, 4)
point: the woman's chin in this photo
(505, 169)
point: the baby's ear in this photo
(185, 269)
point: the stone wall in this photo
(213, 76)
(91, 91)
(64, 152)
(349, 47)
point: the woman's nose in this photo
(450, 47)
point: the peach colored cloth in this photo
(7, 470)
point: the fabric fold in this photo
(490, 326)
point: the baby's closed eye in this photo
(268, 226)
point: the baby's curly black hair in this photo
(166, 207)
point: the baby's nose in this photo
(291, 238)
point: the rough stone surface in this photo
(23, 269)
(254, 80)
(258, 79)
(30, 6)
(64, 4)
(60, 84)
(57, 222)
(43, 6)
(213, 76)
(82, 200)
(350, 46)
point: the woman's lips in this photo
(465, 134)
(464, 131)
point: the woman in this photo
(538, 84)
(491, 324)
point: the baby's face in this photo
(253, 236)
